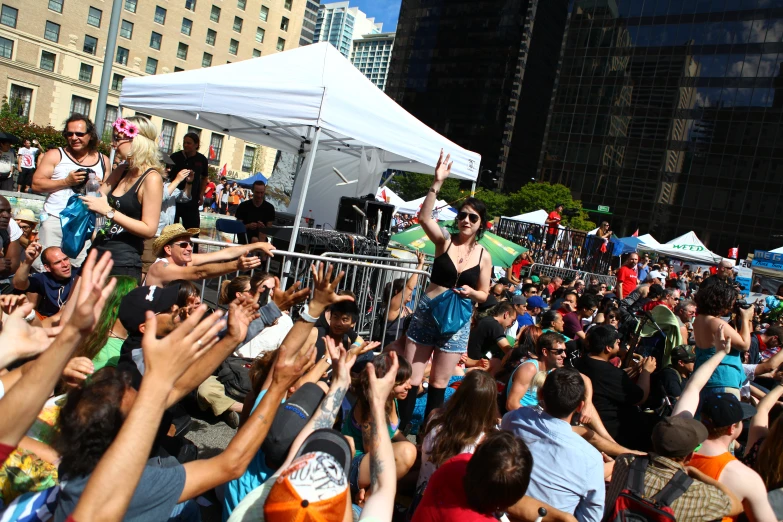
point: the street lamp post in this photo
(108, 60)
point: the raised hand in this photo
(292, 363)
(360, 349)
(380, 388)
(10, 302)
(32, 252)
(248, 263)
(169, 358)
(286, 299)
(76, 372)
(20, 338)
(443, 167)
(93, 291)
(326, 287)
(265, 246)
(241, 313)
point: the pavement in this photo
(211, 436)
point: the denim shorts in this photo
(353, 475)
(424, 330)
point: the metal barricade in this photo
(568, 273)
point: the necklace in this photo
(470, 251)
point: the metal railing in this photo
(569, 273)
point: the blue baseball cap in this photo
(535, 302)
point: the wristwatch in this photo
(110, 214)
(306, 317)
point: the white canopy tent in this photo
(443, 211)
(538, 217)
(687, 247)
(387, 195)
(777, 250)
(309, 101)
(648, 240)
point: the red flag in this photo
(734, 253)
(223, 171)
(212, 154)
(635, 234)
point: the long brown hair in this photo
(471, 411)
(361, 385)
(769, 463)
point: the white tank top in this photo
(56, 201)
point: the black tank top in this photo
(445, 274)
(126, 248)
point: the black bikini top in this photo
(444, 272)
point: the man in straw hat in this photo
(176, 259)
(25, 218)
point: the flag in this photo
(223, 171)
(635, 234)
(734, 253)
(212, 154)
(384, 196)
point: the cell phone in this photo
(263, 299)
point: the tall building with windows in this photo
(339, 24)
(51, 56)
(371, 55)
(309, 21)
(670, 114)
(481, 72)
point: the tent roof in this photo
(687, 247)
(248, 182)
(777, 251)
(394, 199)
(538, 217)
(278, 100)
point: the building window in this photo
(190, 5)
(116, 82)
(94, 16)
(130, 5)
(6, 47)
(122, 56)
(187, 26)
(8, 16)
(284, 24)
(280, 44)
(264, 14)
(112, 113)
(206, 60)
(52, 31)
(80, 105)
(56, 6)
(167, 132)
(260, 35)
(155, 40)
(85, 73)
(237, 24)
(194, 130)
(182, 51)
(178, 69)
(233, 47)
(287, 4)
(256, 53)
(152, 66)
(214, 15)
(47, 61)
(211, 36)
(20, 100)
(160, 15)
(126, 29)
(247, 159)
(90, 44)
(216, 144)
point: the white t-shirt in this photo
(27, 157)
(7, 161)
(268, 340)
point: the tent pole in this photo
(473, 189)
(300, 206)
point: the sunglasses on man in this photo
(473, 217)
(69, 134)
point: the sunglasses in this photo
(558, 351)
(473, 217)
(184, 244)
(77, 134)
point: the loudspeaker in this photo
(349, 220)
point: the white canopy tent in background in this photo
(687, 247)
(538, 217)
(309, 101)
(648, 240)
(777, 251)
(442, 209)
(387, 195)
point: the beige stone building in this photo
(51, 56)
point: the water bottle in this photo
(93, 186)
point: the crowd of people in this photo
(486, 395)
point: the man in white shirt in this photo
(25, 157)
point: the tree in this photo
(535, 196)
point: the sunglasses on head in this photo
(473, 217)
(68, 134)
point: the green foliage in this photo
(47, 136)
(12, 110)
(533, 196)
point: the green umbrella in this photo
(503, 251)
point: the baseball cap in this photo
(138, 301)
(683, 353)
(289, 420)
(315, 486)
(519, 300)
(724, 409)
(536, 302)
(535, 279)
(677, 436)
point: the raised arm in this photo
(108, 493)
(429, 225)
(232, 253)
(759, 424)
(21, 279)
(689, 400)
(164, 273)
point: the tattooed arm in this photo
(383, 475)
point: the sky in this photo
(386, 11)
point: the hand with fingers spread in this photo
(285, 300)
(380, 388)
(10, 302)
(241, 313)
(93, 291)
(248, 263)
(76, 372)
(167, 359)
(443, 167)
(325, 289)
(20, 340)
(366, 346)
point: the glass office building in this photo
(669, 112)
(474, 71)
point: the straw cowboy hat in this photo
(26, 215)
(169, 234)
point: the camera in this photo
(743, 304)
(79, 189)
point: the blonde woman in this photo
(131, 197)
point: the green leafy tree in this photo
(13, 110)
(535, 196)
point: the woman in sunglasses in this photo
(461, 266)
(131, 198)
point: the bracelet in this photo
(436, 192)
(307, 317)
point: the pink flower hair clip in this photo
(125, 128)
